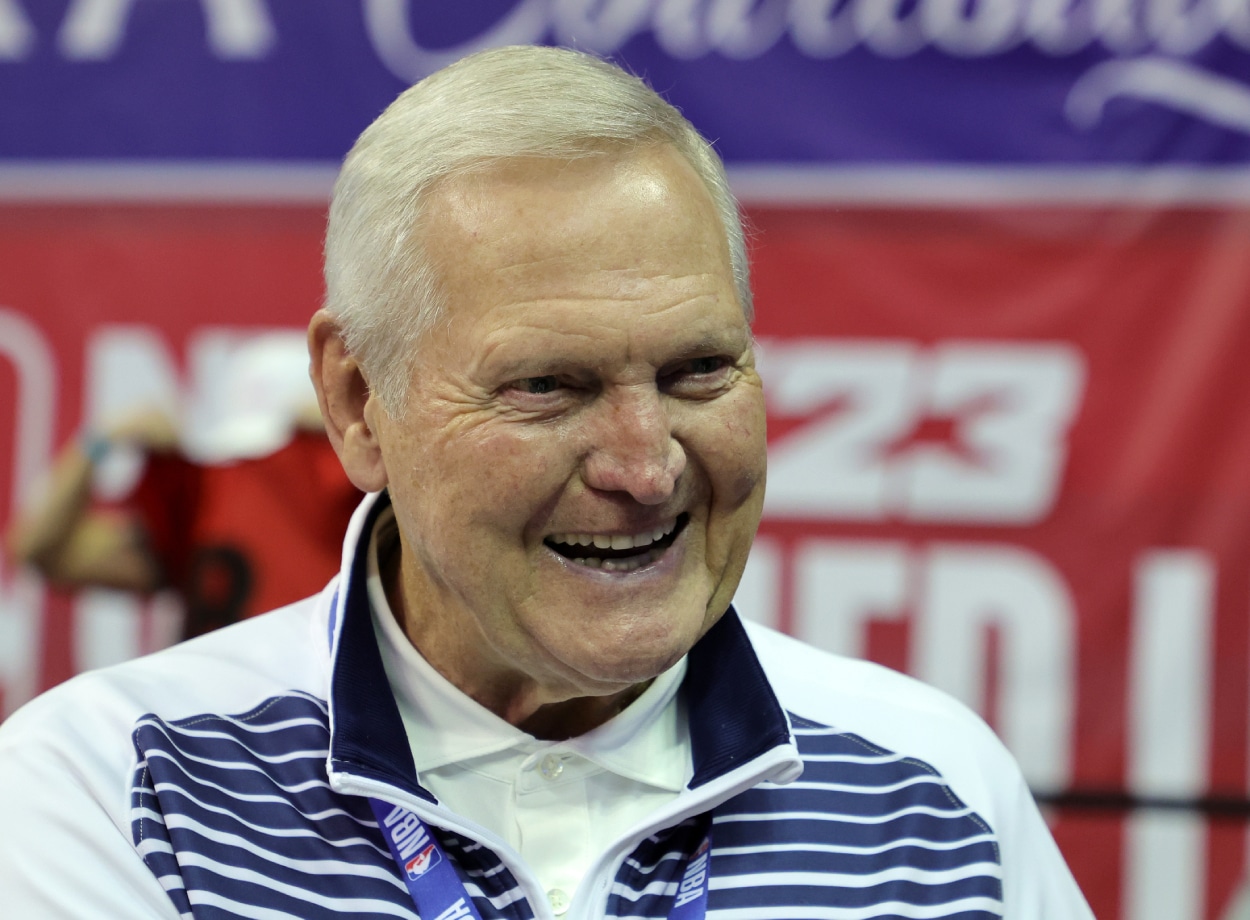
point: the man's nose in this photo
(633, 448)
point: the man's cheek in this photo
(740, 457)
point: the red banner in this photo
(1009, 453)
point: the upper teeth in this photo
(614, 541)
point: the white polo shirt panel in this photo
(559, 804)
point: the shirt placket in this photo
(553, 816)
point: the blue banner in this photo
(838, 82)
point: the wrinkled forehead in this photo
(636, 209)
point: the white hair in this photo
(496, 105)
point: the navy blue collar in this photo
(734, 714)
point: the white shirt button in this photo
(558, 898)
(551, 767)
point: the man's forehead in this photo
(534, 214)
(655, 173)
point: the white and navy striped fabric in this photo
(235, 815)
(229, 777)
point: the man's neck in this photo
(561, 721)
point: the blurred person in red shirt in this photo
(245, 516)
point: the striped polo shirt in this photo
(230, 776)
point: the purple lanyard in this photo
(431, 879)
(691, 900)
(440, 895)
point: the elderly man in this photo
(526, 694)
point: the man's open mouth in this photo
(618, 553)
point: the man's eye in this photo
(695, 377)
(538, 385)
(698, 367)
(709, 365)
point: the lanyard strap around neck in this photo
(431, 878)
(439, 894)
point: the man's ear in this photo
(345, 400)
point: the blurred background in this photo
(1002, 270)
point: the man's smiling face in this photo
(580, 469)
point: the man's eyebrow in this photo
(514, 358)
(729, 340)
(520, 364)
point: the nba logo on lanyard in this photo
(430, 877)
(427, 859)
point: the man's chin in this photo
(629, 662)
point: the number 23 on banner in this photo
(960, 432)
